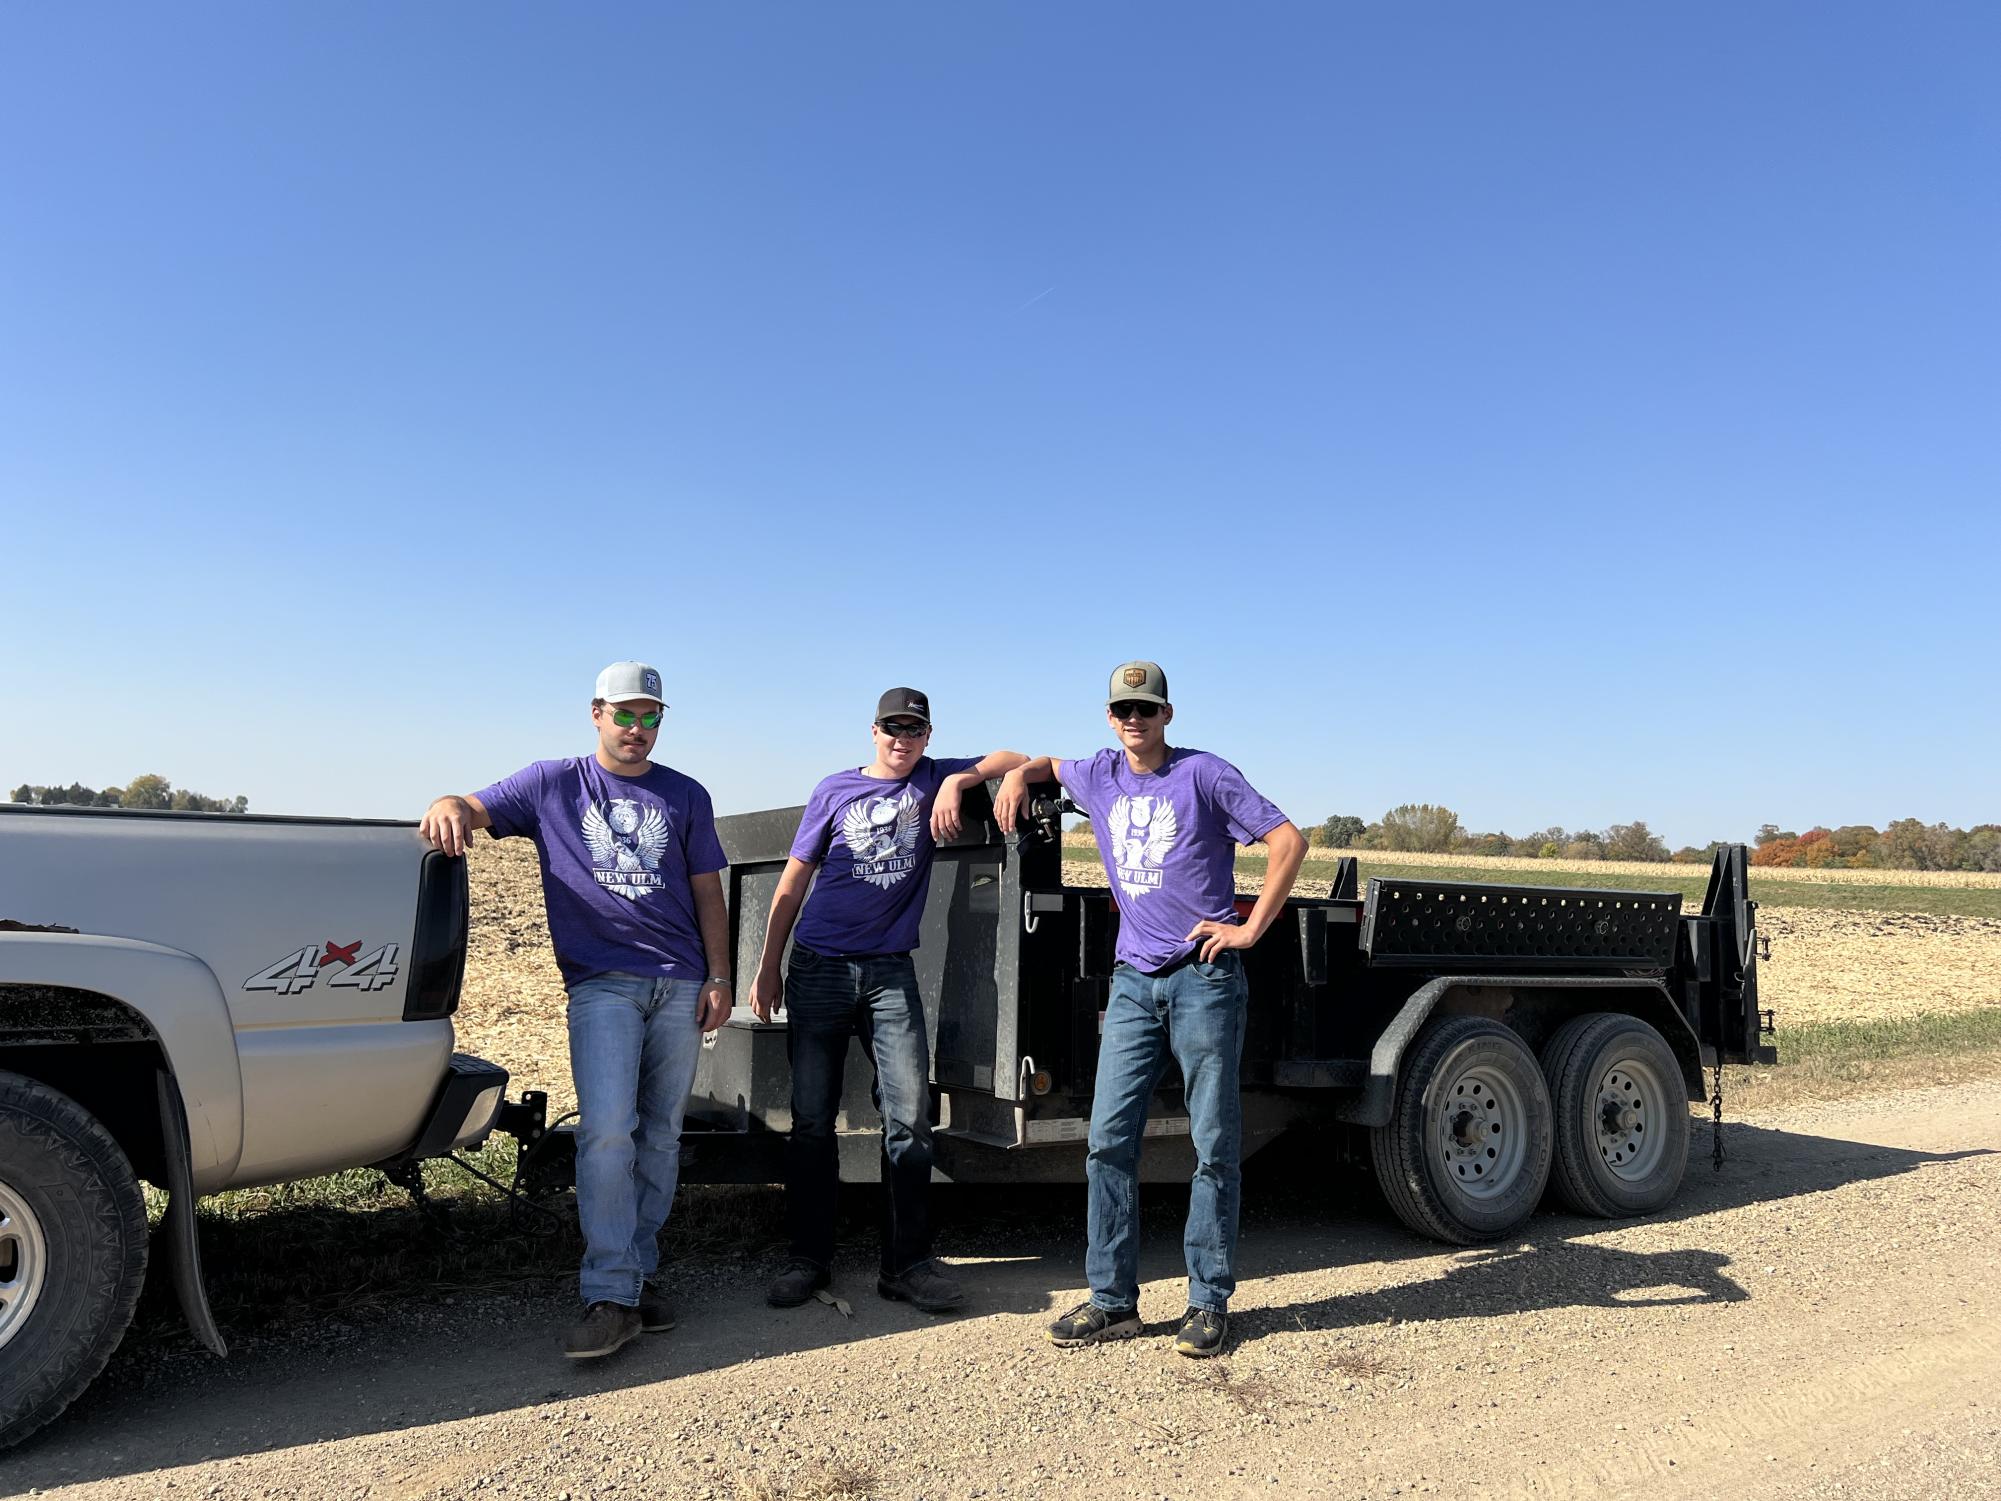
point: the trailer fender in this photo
(178, 997)
(1646, 999)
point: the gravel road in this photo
(1820, 1319)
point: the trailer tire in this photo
(1621, 1116)
(1466, 1154)
(72, 1251)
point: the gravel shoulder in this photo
(1821, 1318)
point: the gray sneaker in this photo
(1087, 1324)
(602, 1329)
(926, 1284)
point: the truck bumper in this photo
(466, 1107)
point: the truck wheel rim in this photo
(1631, 1119)
(24, 1262)
(1482, 1132)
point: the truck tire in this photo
(72, 1251)
(1466, 1153)
(1621, 1116)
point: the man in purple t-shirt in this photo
(629, 859)
(1168, 822)
(870, 833)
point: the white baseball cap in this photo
(623, 681)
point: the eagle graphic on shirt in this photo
(1142, 831)
(882, 833)
(626, 844)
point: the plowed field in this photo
(1826, 965)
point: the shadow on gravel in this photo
(1518, 1278)
(1760, 1165)
(433, 1328)
(1548, 1267)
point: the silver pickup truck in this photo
(203, 1001)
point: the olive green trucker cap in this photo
(1143, 681)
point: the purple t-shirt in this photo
(616, 856)
(1168, 839)
(872, 841)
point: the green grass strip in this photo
(1929, 1034)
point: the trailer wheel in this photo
(1621, 1116)
(1466, 1153)
(72, 1251)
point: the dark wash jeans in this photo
(827, 1001)
(1195, 1014)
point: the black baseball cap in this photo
(903, 703)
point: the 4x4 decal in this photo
(375, 970)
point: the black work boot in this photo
(798, 1282)
(926, 1284)
(602, 1329)
(1087, 1324)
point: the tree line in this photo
(149, 791)
(1907, 844)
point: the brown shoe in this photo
(602, 1329)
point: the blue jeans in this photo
(633, 1045)
(1194, 1013)
(828, 1001)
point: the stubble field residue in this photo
(1826, 965)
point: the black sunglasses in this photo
(903, 729)
(1125, 708)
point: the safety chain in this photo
(409, 1176)
(1716, 1113)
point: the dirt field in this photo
(1821, 1319)
(1825, 966)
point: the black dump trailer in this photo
(1488, 1040)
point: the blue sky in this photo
(1567, 413)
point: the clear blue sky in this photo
(1567, 413)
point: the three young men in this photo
(871, 834)
(1167, 821)
(630, 865)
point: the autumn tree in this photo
(1336, 833)
(1422, 827)
(149, 791)
(1779, 851)
(1633, 841)
(1983, 848)
(1909, 844)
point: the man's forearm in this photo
(713, 917)
(1040, 769)
(785, 907)
(1283, 859)
(994, 764)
